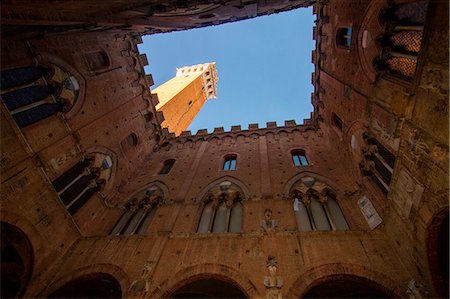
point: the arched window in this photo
(223, 209)
(378, 163)
(299, 158)
(78, 184)
(402, 40)
(139, 212)
(316, 208)
(230, 162)
(28, 96)
(168, 164)
(344, 37)
(96, 60)
(93, 285)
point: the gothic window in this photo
(316, 208)
(78, 184)
(402, 39)
(168, 164)
(344, 37)
(96, 60)
(34, 93)
(378, 163)
(230, 162)
(337, 122)
(299, 157)
(139, 212)
(222, 211)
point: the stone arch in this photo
(17, 260)
(327, 272)
(364, 37)
(111, 270)
(205, 271)
(355, 143)
(299, 176)
(231, 179)
(46, 58)
(163, 187)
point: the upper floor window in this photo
(34, 93)
(337, 122)
(222, 210)
(299, 158)
(230, 162)
(79, 183)
(344, 37)
(139, 212)
(168, 164)
(378, 163)
(129, 142)
(96, 60)
(316, 207)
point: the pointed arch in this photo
(207, 270)
(102, 268)
(47, 58)
(229, 178)
(317, 275)
(291, 182)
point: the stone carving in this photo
(273, 282)
(409, 192)
(15, 188)
(416, 290)
(268, 224)
(386, 134)
(435, 79)
(142, 285)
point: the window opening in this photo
(167, 166)
(337, 122)
(230, 163)
(344, 37)
(299, 158)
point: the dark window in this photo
(344, 37)
(230, 162)
(337, 122)
(299, 158)
(167, 166)
(96, 60)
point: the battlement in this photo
(307, 125)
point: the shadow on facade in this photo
(16, 261)
(96, 285)
(208, 288)
(347, 286)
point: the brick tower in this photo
(182, 97)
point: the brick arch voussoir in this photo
(231, 179)
(102, 268)
(323, 273)
(206, 271)
(47, 58)
(34, 238)
(291, 182)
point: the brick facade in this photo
(373, 134)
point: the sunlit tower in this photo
(182, 97)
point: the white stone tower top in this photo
(209, 75)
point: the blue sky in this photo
(264, 67)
